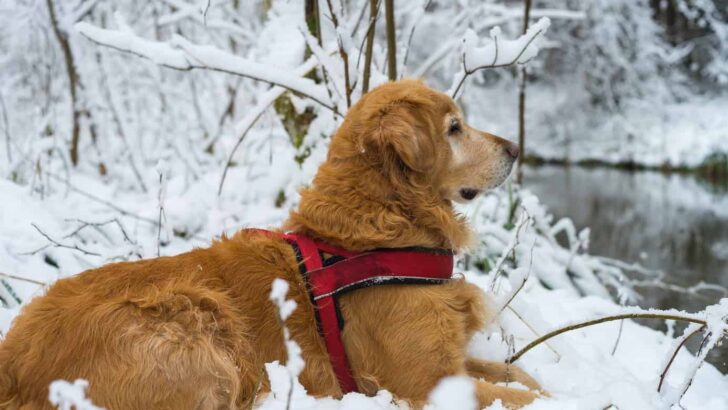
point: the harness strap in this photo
(357, 270)
(327, 314)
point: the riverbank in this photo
(714, 169)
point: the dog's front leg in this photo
(497, 372)
(487, 393)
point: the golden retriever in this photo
(194, 331)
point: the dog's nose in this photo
(513, 150)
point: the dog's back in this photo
(160, 333)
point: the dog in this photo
(195, 330)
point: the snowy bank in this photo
(559, 286)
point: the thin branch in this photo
(61, 245)
(619, 337)
(6, 129)
(246, 124)
(531, 328)
(418, 17)
(342, 52)
(466, 72)
(684, 340)
(525, 278)
(526, 218)
(102, 201)
(35, 282)
(576, 326)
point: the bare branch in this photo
(61, 245)
(247, 123)
(663, 316)
(102, 201)
(36, 282)
(242, 127)
(503, 51)
(684, 340)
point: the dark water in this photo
(677, 224)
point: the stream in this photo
(673, 223)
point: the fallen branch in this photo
(576, 326)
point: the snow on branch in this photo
(182, 54)
(497, 53)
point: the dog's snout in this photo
(513, 150)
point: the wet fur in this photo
(194, 331)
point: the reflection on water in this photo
(674, 223)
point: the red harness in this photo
(344, 271)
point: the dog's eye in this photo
(454, 127)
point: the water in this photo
(674, 223)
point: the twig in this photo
(702, 360)
(525, 279)
(684, 340)
(6, 129)
(342, 52)
(97, 225)
(411, 34)
(204, 13)
(511, 247)
(60, 245)
(246, 124)
(160, 199)
(36, 282)
(102, 201)
(601, 320)
(528, 325)
(619, 337)
(467, 71)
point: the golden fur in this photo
(193, 331)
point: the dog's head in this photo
(417, 137)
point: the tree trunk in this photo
(522, 101)
(73, 80)
(391, 40)
(370, 45)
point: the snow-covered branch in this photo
(498, 52)
(182, 54)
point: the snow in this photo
(579, 372)
(154, 126)
(182, 54)
(67, 396)
(456, 392)
(498, 52)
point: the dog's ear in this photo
(396, 138)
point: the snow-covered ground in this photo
(89, 221)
